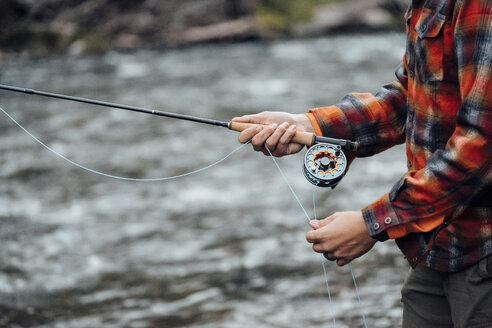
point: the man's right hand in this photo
(275, 130)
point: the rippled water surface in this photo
(223, 248)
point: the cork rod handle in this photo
(303, 138)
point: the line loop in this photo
(116, 176)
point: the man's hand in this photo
(342, 237)
(276, 130)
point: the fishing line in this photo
(309, 219)
(358, 296)
(115, 176)
(324, 266)
(326, 155)
(322, 257)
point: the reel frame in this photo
(325, 163)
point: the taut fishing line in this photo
(315, 217)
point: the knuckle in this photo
(269, 130)
(262, 116)
(257, 148)
(243, 137)
(282, 128)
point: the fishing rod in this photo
(325, 163)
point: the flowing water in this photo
(223, 248)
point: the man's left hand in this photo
(342, 236)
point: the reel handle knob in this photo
(303, 138)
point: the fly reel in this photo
(325, 165)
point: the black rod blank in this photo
(345, 144)
(114, 105)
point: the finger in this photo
(273, 140)
(265, 151)
(258, 140)
(314, 224)
(321, 248)
(329, 256)
(249, 133)
(313, 236)
(342, 261)
(247, 119)
(288, 135)
(284, 145)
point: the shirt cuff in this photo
(379, 217)
(331, 117)
(331, 121)
(314, 123)
(398, 231)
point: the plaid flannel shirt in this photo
(440, 105)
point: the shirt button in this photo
(388, 220)
(431, 209)
(376, 226)
(409, 163)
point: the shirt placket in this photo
(410, 62)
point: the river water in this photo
(222, 248)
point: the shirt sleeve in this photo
(452, 174)
(376, 121)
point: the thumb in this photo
(247, 119)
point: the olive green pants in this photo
(434, 299)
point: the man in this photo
(440, 212)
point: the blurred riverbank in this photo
(34, 28)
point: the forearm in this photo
(303, 123)
(377, 121)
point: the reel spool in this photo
(325, 165)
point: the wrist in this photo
(303, 123)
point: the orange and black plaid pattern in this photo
(440, 105)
